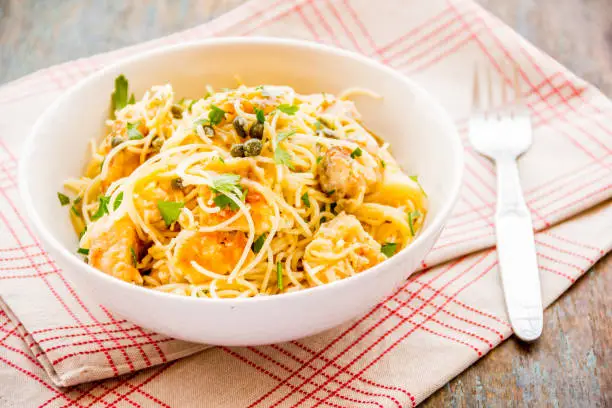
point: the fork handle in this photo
(517, 254)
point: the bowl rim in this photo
(456, 173)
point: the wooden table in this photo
(569, 366)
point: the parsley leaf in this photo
(383, 163)
(330, 192)
(102, 207)
(132, 100)
(83, 251)
(118, 201)
(261, 117)
(288, 109)
(319, 159)
(63, 199)
(283, 135)
(134, 257)
(388, 249)
(226, 183)
(412, 216)
(416, 180)
(258, 244)
(281, 156)
(306, 199)
(132, 131)
(75, 211)
(222, 201)
(119, 97)
(216, 115)
(170, 211)
(318, 125)
(82, 232)
(279, 275)
(356, 153)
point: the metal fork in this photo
(504, 134)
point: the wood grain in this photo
(570, 365)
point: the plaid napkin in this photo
(436, 325)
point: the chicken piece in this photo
(343, 233)
(113, 245)
(217, 252)
(342, 176)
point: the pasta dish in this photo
(242, 192)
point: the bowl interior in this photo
(421, 136)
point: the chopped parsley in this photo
(102, 207)
(132, 131)
(318, 125)
(225, 183)
(319, 159)
(170, 211)
(279, 275)
(261, 117)
(119, 97)
(416, 180)
(412, 217)
(82, 232)
(388, 249)
(83, 251)
(281, 156)
(63, 199)
(284, 135)
(216, 115)
(134, 257)
(222, 201)
(75, 211)
(288, 109)
(306, 199)
(118, 201)
(382, 162)
(330, 192)
(258, 244)
(356, 153)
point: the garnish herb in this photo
(133, 132)
(83, 251)
(258, 244)
(382, 162)
(279, 275)
(118, 201)
(216, 115)
(412, 216)
(119, 97)
(102, 207)
(329, 193)
(134, 257)
(281, 156)
(63, 199)
(78, 199)
(82, 232)
(226, 183)
(222, 201)
(416, 180)
(170, 211)
(288, 109)
(75, 211)
(284, 135)
(319, 158)
(306, 199)
(356, 153)
(388, 249)
(261, 117)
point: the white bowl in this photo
(422, 137)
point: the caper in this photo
(209, 131)
(257, 130)
(237, 150)
(116, 141)
(240, 125)
(252, 147)
(177, 183)
(157, 144)
(177, 111)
